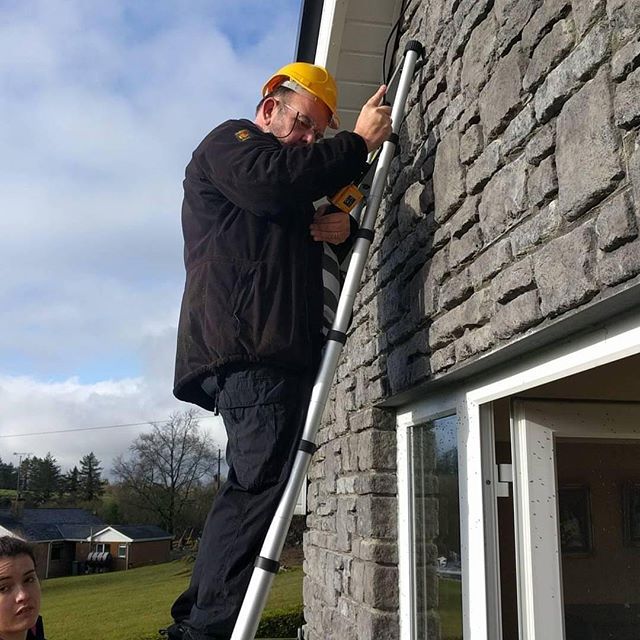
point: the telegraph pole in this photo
(21, 455)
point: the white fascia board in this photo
(109, 535)
(334, 14)
(8, 532)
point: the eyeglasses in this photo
(304, 121)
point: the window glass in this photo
(122, 551)
(56, 550)
(436, 530)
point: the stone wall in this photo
(514, 200)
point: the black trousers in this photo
(263, 411)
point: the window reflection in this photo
(436, 530)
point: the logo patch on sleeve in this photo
(243, 135)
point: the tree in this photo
(44, 478)
(166, 466)
(8, 475)
(72, 482)
(91, 485)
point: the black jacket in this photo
(253, 291)
(37, 633)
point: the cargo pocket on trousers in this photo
(255, 418)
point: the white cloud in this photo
(102, 105)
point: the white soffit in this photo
(351, 43)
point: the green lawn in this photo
(450, 608)
(134, 604)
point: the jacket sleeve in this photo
(261, 175)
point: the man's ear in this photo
(268, 109)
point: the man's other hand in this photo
(374, 121)
(332, 227)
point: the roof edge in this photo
(308, 30)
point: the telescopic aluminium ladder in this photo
(267, 563)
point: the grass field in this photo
(134, 604)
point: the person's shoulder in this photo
(236, 131)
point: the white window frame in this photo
(102, 547)
(122, 546)
(613, 341)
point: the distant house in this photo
(129, 545)
(64, 538)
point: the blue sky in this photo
(101, 105)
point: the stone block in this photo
(627, 101)
(551, 50)
(541, 22)
(377, 517)
(477, 310)
(535, 230)
(445, 329)
(478, 56)
(616, 223)
(519, 13)
(443, 358)
(448, 176)
(465, 217)
(542, 144)
(467, 18)
(587, 157)
(469, 116)
(376, 550)
(376, 625)
(504, 199)
(474, 341)
(543, 183)
(410, 210)
(490, 263)
(573, 70)
(455, 290)
(565, 271)
(501, 97)
(376, 483)
(381, 586)
(436, 108)
(625, 60)
(624, 16)
(464, 248)
(376, 450)
(423, 292)
(586, 12)
(619, 265)
(518, 131)
(372, 417)
(453, 78)
(514, 281)
(517, 316)
(453, 111)
(471, 144)
(489, 161)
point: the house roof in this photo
(131, 533)
(39, 525)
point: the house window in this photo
(122, 551)
(101, 547)
(437, 573)
(56, 550)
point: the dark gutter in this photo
(308, 30)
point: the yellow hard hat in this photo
(312, 78)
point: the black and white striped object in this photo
(333, 272)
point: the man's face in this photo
(297, 119)
(19, 595)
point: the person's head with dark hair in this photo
(19, 590)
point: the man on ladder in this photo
(250, 330)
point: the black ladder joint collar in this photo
(337, 336)
(306, 446)
(367, 234)
(394, 138)
(271, 566)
